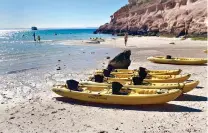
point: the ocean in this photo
(19, 52)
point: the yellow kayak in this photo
(150, 72)
(150, 79)
(124, 75)
(185, 87)
(178, 61)
(106, 95)
(168, 78)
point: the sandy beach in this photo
(29, 106)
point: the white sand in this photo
(28, 105)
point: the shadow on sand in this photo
(157, 108)
(200, 65)
(188, 97)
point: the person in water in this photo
(34, 36)
(38, 38)
(125, 38)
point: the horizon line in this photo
(55, 28)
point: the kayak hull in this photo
(124, 75)
(185, 87)
(157, 79)
(190, 86)
(172, 79)
(150, 72)
(178, 61)
(106, 97)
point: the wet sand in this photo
(28, 105)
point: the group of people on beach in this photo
(34, 36)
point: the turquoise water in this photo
(49, 34)
(19, 52)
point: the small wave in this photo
(4, 59)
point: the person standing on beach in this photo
(125, 38)
(34, 36)
(38, 38)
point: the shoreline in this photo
(140, 42)
(32, 107)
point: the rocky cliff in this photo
(176, 17)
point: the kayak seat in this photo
(142, 73)
(72, 85)
(106, 73)
(168, 57)
(116, 87)
(99, 78)
(142, 69)
(137, 80)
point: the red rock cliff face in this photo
(163, 16)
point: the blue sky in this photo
(57, 13)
